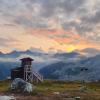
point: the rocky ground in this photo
(55, 90)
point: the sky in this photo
(58, 25)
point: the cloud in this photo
(7, 41)
(4, 42)
(67, 22)
(36, 12)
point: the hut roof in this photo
(27, 59)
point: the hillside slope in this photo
(88, 69)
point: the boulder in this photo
(28, 87)
(77, 98)
(5, 97)
(21, 85)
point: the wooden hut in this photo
(26, 72)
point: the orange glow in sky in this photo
(56, 24)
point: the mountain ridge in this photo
(76, 70)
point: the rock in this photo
(7, 97)
(28, 87)
(77, 98)
(56, 93)
(83, 88)
(21, 85)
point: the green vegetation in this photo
(87, 91)
(4, 85)
(57, 86)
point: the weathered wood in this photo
(25, 72)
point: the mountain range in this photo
(55, 65)
(85, 69)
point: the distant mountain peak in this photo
(15, 51)
(89, 51)
(27, 51)
(32, 49)
(1, 53)
(65, 54)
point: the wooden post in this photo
(28, 73)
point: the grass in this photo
(56, 86)
(71, 89)
(66, 89)
(4, 85)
